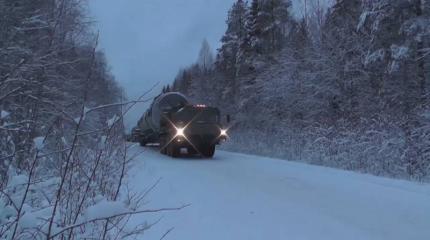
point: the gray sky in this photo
(148, 41)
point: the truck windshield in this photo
(207, 115)
(204, 117)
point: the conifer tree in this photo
(227, 57)
(206, 58)
(267, 22)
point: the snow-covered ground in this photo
(237, 196)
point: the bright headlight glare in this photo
(180, 132)
(223, 132)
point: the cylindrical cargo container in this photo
(150, 122)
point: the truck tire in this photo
(142, 143)
(208, 151)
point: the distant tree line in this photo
(346, 86)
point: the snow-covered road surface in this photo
(237, 196)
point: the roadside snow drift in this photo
(236, 196)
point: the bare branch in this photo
(116, 216)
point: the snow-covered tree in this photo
(206, 58)
(227, 57)
(345, 87)
(62, 149)
(341, 52)
(268, 22)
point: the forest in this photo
(62, 150)
(344, 87)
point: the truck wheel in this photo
(208, 151)
(142, 143)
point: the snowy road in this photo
(236, 196)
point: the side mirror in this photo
(227, 118)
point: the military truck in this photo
(181, 127)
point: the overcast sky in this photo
(148, 41)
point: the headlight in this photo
(224, 132)
(180, 132)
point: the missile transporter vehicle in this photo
(181, 127)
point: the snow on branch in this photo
(108, 213)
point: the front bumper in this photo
(198, 140)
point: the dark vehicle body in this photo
(134, 135)
(179, 126)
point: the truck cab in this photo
(196, 129)
(181, 127)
